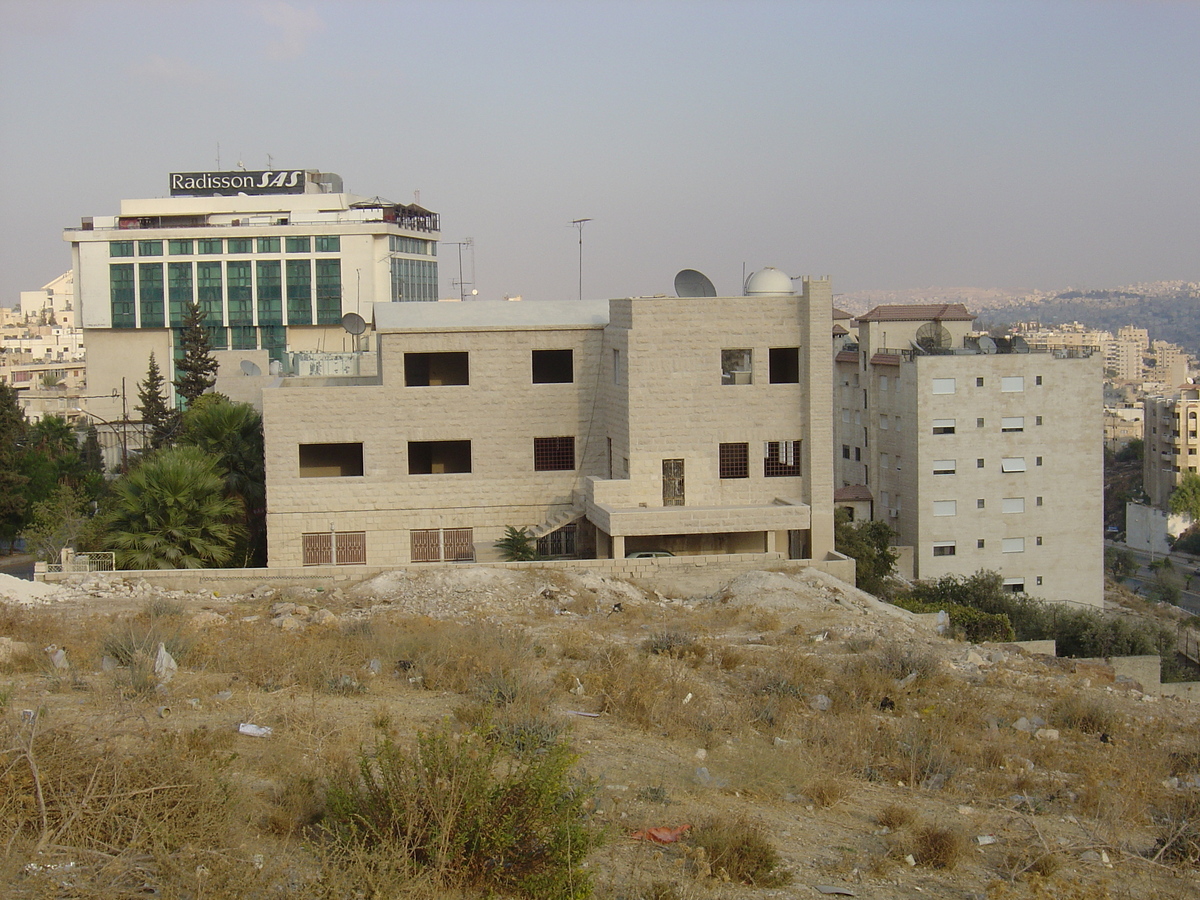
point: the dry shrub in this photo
(739, 849)
(1178, 830)
(824, 791)
(896, 817)
(676, 645)
(938, 846)
(1084, 712)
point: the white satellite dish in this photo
(249, 367)
(353, 323)
(690, 283)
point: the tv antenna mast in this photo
(462, 285)
(579, 223)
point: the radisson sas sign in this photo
(225, 184)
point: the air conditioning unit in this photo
(893, 513)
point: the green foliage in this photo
(12, 481)
(198, 367)
(1131, 452)
(159, 419)
(517, 545)
(967, 623)
(58, 522)
(1185, 499)
(870, 545)
(171, 512)
(459, 810)
(1189, 541)
(1120, 562)
(740, 848)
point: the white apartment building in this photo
(695, 425)
(978, 456)
(275, 259)
(1171, 443)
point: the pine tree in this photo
(158, 419)
(198, 368)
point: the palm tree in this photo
(171, 512)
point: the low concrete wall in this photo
(235, 580)
(1184, 690)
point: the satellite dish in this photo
(933, 336)
(986, 344)
(690, 283)
(1019, 344)
(353, 323)
(250, 368)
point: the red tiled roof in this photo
(839, 331)
(853, 492)
(842, 314)
(922, 312)
(885, 359)
(848, 356)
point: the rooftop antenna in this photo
(218, 156)
(579, 223)
(270, 162)
(462, 285)
(417, 197)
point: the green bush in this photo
(967, 623)
(517, 545)
(460, 811)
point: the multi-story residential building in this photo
(54, 302)
(274, 259)
(694, 425)
(978, 456)
(1172, 443)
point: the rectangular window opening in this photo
(784, 365)
(734, 460)
(343, 460)
(781, 459)
(1009, 424)
(553, 367)
(736, 367)
(943, 426)
(944, 466)
(944, 548)
(439, 457)
(1012, 464)
(553, 454)
(1011, 384)
(436, 369)
(943, 385)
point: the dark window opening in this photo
(734, 460)
(331, 460)
(781, 459)
(784, 365)
(439, 457)
(553, 454)
(435, 369)
(943, 549)
(553, 367)
(560, 542)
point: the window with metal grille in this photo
(426, 545)
(734, 460)
(438, 544)
(340, 548)
(781, 459)
(560, 542)
(458, 544)
(553, 454)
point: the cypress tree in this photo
(198, 368)
(158, 419)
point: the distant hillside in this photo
(1168, 310)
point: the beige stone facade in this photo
(1171, 449)
(979, 460)
(689, 425)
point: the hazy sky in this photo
(887, 144)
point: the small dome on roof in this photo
(769, 281)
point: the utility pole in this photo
(579, 223)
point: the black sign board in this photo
(227, 184)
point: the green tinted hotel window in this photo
(274, 340)
(268, 245)
(120, 285)
(240, 245)
(329, 243)
(329, 291)
(239, 293)
(217, 337)
(208, 245)
(179, 291)
(120, 248)
(179, 248)
(270, 293)
(298, 244)
(243, 337)
(299, 292)
(150, 290)
(208, 292)
(149, 248)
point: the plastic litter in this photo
(661, 834)
(254, 730)
(833, 889)
(164, 664)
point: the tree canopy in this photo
(198, 367)
(1185, 499)
(158, 418)
(870, 545)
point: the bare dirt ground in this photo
(847, 731)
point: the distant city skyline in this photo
(893, 146)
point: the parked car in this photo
(648, 554)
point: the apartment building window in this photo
(553, 367)
(553, 454)
(1037, 420)
(1012, 464)
(439, 457)
(179, 248)
(268, 245)
(329, 243)
(1038, 540)
(150, 248)
(944, 548)
(1012, 545)
(1038, 461)
(883, 423)
(1014, 585)
(783, 365)
(120, 248)
(943, 385)
(616, 364)
(560, 542)
(329, 291)
(737, 367)
(978, 382)
(945, 507)
(179, 291)
(121, 295)
(979, 544)
(1039, 501)
(781, 459)
(437, 544)
(845, 451)
(340, 460)
(208, 245)
(979, 423)
(239, 285)
(240, 245)
(1039, 580)
(298, 245)
(885, 461)
(1013, 505)
(270, 292)
(209, 293)
(150, 290)
(943, 426)
(979, 463)
(1012, 384)
(1010, 424)
(980, 503)
(733, 460)
(436, 369)
(944, 466)
(340, 548)
(1037, 380)
(858, 454)
(299, 291)
(883, 383)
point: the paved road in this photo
(1185, 566)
